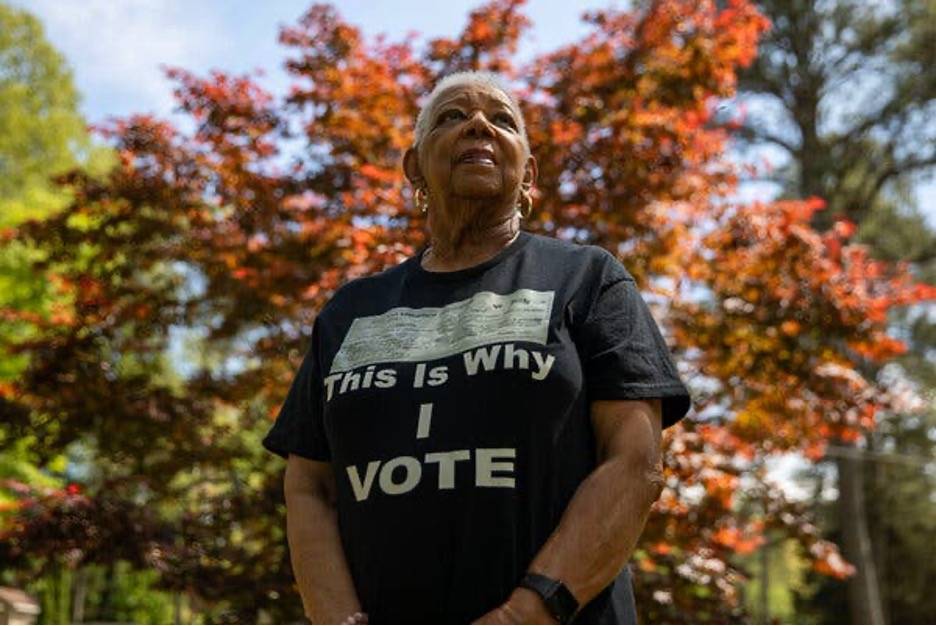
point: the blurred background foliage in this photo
(134, 488)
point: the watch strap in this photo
(556, 596)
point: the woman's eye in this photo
(505, 120)
(451, 114)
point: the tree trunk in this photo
(864, 598)
(79, 592)
(765, 583)
(56, 612)
(879, 527)
(105, 608)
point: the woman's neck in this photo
(459, 243)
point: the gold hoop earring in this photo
(422, 199)
(526, 202)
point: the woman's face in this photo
(473, 147)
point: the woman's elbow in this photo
(653, 479)
(644, 470)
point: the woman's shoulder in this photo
(357, 292)
(589, 257)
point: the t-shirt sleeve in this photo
(624, 355)
(299, 427)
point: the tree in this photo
(622, 123)
(42, 135)
(40, 130)
(845, 91)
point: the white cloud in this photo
(116, 48)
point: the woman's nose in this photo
(478, 125)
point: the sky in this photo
(116, 47)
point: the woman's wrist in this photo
(527, 607)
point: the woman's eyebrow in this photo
(451, 100)
(505, 107)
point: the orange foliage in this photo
(621, 125)
(737, 540)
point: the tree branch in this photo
(899, 169)
(752, 134)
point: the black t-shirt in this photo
(454, 408)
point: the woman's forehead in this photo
(457, 93)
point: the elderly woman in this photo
(474, 434)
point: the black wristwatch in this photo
(558, 599)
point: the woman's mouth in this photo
(477, 156)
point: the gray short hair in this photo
(472, 77)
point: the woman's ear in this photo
(411, 167)
(530, 172)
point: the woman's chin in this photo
(477, 189)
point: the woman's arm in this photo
(602, 523)
(316, 554)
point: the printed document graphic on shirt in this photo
(484, 329)
(404, 334)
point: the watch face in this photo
(556, 608)
(566, 603)
(557, 598)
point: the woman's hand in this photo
(499, 615)
(356, 618)
(523, 607)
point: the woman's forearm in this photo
(604, 519)
(600, 527)
(318, 559)
(595, 537)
